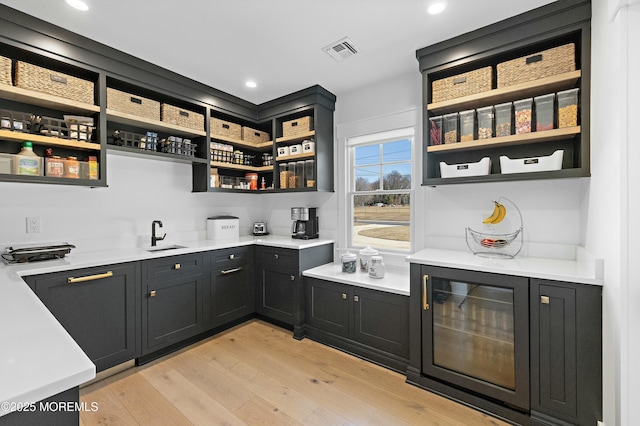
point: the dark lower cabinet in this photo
(369, 323)
(566, 353)
(231, 289)
(279, 287)
(172, 302)
(99, 307)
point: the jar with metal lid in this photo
(72, 168)
(348, 262)
(54, 166)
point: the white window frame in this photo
(379, 138)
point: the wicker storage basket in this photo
(5, 70)
(254, 136)
(133, 104)
(226, 129)
(33, 77)
(296, 127)
(542, 64)
(465, 84)
(181, 117)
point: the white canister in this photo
(365, 258)
(376, 268)
(295, 149)
(283, 151)
(308, 147)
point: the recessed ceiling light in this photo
(78, 4)
(436, 8)
(251, 84)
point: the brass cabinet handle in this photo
(232, 256)
(344, 296)
(107, 274)
(293, 278)
(276, 256)
(425, 305)
(356, 299)
(176, 266)
(152, 293)
(544, 300)
(231, 271)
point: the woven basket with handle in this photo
(465, 84)
(5, 70)
(133, 104)
(547, 63)
(181, 117)
(39, 79)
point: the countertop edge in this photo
(395, 281)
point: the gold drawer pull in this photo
(107, 274)
(152, 293)
(544, 300)
(344, 296)
(232, 256)
(356, 299)
(276, 256)
(293, 278)
(176, 266)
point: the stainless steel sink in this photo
(163, 248)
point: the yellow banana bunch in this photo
(499, 212)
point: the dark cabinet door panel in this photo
(328, 306)
(100, 310)
(381, 320)
(231, 294)
(278, 293)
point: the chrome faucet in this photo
(155, 239)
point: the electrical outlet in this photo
(33, 225)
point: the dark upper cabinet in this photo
(484, 52)
(566, 352)
(99, 307)
(172, 300)
(231, 292)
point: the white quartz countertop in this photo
(395, 280)
(38, 358)
(583, 271)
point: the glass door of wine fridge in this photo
(475, 332)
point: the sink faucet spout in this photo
(155, 239)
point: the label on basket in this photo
(184, 113)
(462, 167)
(459, 80)
(136, 100)
(531, 161)
(534, 58)
(58, 79)
(225, 126)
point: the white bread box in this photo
(223, 228)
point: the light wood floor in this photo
(257, 373)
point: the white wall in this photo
(141, 190)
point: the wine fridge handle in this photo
(425, 304)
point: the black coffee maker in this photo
(305, 223)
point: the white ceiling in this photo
(277, 43)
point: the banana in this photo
(499, 212)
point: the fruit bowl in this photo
(495, 244)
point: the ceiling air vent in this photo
(341, 49)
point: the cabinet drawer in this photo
(168, 268)
(280, 257)
(233, 256)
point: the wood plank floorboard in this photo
(257, 374)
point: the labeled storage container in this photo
(5, 70)
(504, 118)
(308, 147)
(284, 175)
(465, 84)
(435, 130)
(568, 108)
(485, 122)
(39, 79)
(223, 228)
(532, 164)
(523, 115)
(547, 63)
(293, 176)
(310, 173)
(296, 127)
(450, 126)
(481, 168)
(283, 151)
(254, 136)
(181, 117)
(544, 112)
(133, 104)
(467, 125)
(225, 129)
